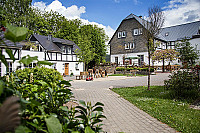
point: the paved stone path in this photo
(122, 116)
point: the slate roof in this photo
(179, 32)
(175, 33)
(51, 45)
(140, 20)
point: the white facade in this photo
(74, 67)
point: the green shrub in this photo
(129, 68)
(39, 73)
(120, 68)
(183, 84)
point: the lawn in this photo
(157, 103)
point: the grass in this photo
(158, 104)
(126, 75)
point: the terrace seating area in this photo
(91, 73)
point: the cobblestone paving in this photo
(122, 116)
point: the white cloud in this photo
(72, 12)
(117, 1)
(181, 11)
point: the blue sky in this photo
(108, 14)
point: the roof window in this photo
(167, 33)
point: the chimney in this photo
(50, 37)
(140, 16)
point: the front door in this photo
(66, 68)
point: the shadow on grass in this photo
(157, 92)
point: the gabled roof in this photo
(51, 45)
(175, 33)
(179, 32)
(131, 16)
(140, 20)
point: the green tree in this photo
(163, 55)
(98, 42)
(86, 52)
(16, 11)
(188, 54)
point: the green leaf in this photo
(22, 129)
(64, 108)
(3, 59)
(24, 101)
(82, 103)
(82, 108)
(36, 102)
(9, 52)
(98, 103)
(98, 109)
(88, 130)
(44, 63)
(2, 84)
(53, 125)
(27, 59)
(65, 83)
(15, 34)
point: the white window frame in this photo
(63, 48)
(10, 67)
(76, 66)
(119, 34)
(140, 31)
(126, 45)
(135, 32)
(69, 50)
(123, 33)
(132, 45)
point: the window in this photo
(116, 60)
(132, 45)
(69, 50)
(141, 60)
(119, 35)
(53, 66)
(9, 67)
(140, 31)
(135, 32)
(126, 46)
(167, 34)
(76, 67)
(124, 34)
(63, 49)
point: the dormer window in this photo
(63, 48)
(119, 35)
(123, 33)
(69, 50)
(167, 33)
(140, 31)
(135, 32)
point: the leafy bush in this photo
(183, 84)
(39, 73)
(120, 68)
